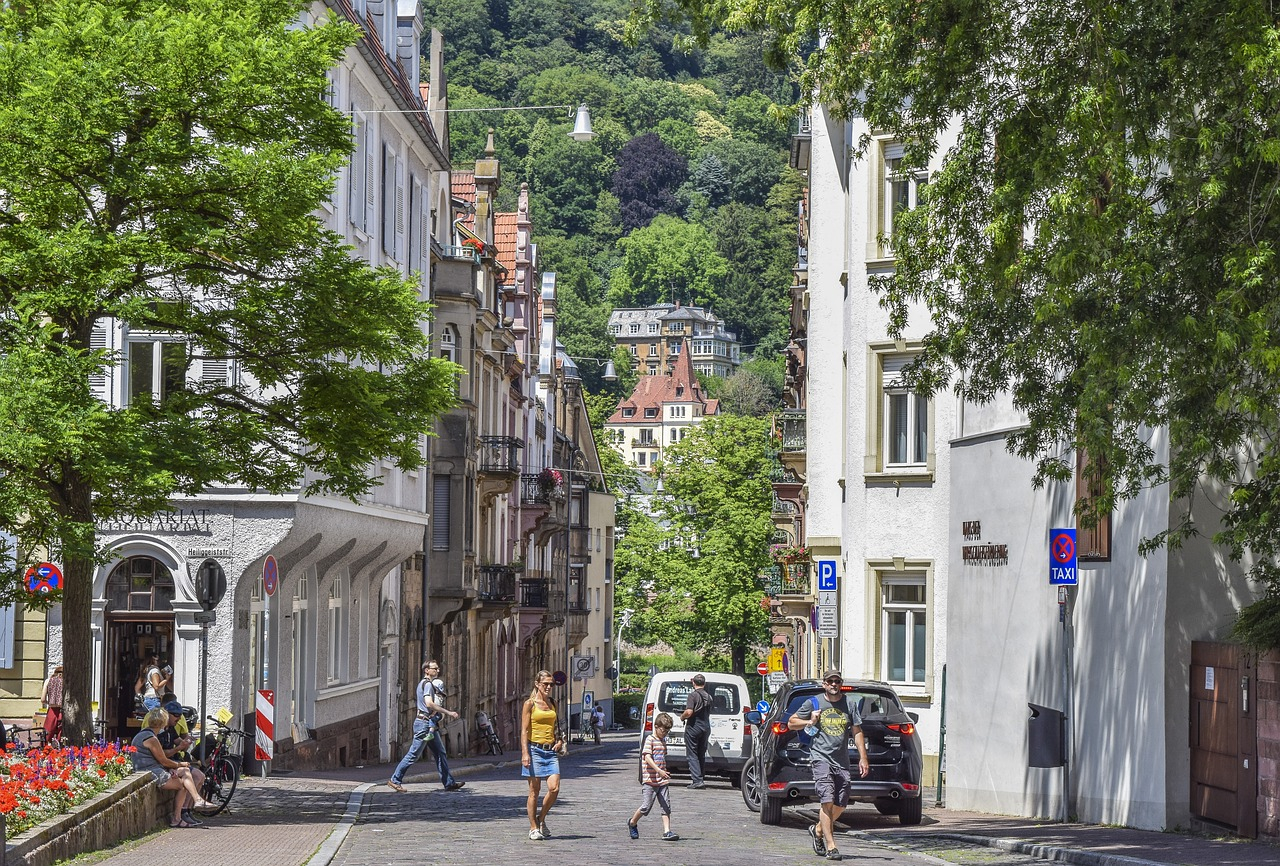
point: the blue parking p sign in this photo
(826, 575)
(1062, 558)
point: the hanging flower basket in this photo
(549, 479)
(476, 245)
(789, 553)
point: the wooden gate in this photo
(1224, 736)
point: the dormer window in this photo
(635, 328)
(653, 327)
(679, 390)
(651, 413)
(628, 413)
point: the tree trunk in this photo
(77, 612)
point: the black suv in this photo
(777, 773)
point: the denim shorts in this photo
(542, 763)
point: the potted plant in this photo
(789, 553)
(549, 479)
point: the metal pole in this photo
(942, 739)
(204, 684)
(1066, 705)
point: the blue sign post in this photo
(1062, 558)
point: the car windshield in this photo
(869, 703)
(724, 698)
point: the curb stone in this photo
(1055, 853)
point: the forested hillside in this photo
(684, 194)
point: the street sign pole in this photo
(1064, 573)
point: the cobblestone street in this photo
(485, 823)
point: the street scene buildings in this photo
(910, 545)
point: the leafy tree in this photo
(669, 257)
(717, 505)
(565, 178)
(752, 168)
(645, 181)
(161, 164)
(753, 390)
(761, 253)
(752, 118)
(648, 102)
(1100, 240)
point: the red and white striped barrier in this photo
(264, 738)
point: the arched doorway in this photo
(139, 619)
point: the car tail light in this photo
(777, 786)
(778, 728)
(648, 718)
(906, 729)
(907, 786)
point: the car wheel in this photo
(770, 809)
(750, 783)
(910, 810)
(886, 806)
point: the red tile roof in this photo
(504, 238)
(652, 392)
(462, 186)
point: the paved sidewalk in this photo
(1087, 844)
(285, 820)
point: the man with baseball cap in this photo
(828, 719)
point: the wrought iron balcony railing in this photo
(499, 455)
(496, 582)
(535, 592)
(793, 578)
(792, 422)
(535, 491)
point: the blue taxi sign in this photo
(1062, 558)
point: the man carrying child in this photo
(656, 779)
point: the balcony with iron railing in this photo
(499, 456)
(535, 592)
(451, 251)
(496, 583)
(536, 490)
(788, 579)
(791, 424)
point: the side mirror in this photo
(915, 717)
(753, 717)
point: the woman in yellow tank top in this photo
(540, 747)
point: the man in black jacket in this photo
(697, 729)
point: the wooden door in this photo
(1223, 736)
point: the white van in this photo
(729, 745)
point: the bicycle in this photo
(221, 770)
(13, 742)
(487, 735)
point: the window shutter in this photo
(356, 171)
(440, 487)
(415, 197)
(215, 371)
(1092, 542)
(424, 227)
(891, 367)
(387, 227)
(370, 178)
(399, 217)
(100, 383)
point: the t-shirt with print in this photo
(835, 720)
(657, 749)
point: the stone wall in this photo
(350, 743)
(132, 808)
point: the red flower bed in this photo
(39, 784)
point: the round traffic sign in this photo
(559, 678)
(762, 668)
(1063, 547)
(762, 707)
(43, 578)
(270, 576)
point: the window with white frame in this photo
(448, 343)
(900, 191)
(635, 328)
(615, 329)
(902, 418)
(653, 327)
(157, 368)
(904, 628)
(337, 630)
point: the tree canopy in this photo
(1101, 239)
(161, 168)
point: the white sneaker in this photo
(536, 836)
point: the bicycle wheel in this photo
(219, 784)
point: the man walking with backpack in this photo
(425, 735)
(828, 719)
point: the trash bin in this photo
(1044, 737)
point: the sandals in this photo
(396, 786)
(183, 824)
